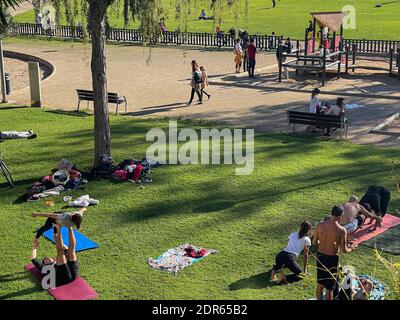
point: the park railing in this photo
(204, 39)
(263, 42)
(371, 46)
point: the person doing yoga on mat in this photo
(377, 197)
(65, 264)
(354, 216)
(298, 241)
(67, 219)
(329, 237)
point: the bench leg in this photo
(79, 103)
(126, 106)
(117, 108)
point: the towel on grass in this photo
(176, 259)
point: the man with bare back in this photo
(329, 237)
(354, 216)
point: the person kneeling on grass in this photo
(65, 264)
(298, 241)
(67, 219)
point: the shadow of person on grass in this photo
(259, 281)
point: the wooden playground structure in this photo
(324, 50)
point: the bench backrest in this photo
(88, 95)
(318, 119)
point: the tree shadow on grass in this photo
(215, 206)
(13, 277)
(22, 275)
(70, 113)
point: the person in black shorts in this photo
(377, 197)
(329, 237)
(65, 264)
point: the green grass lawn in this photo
(246, 218)
(288, 18)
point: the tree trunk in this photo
(102, 136)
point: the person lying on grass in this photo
(65, 264)
(354, 216)
(298, 241)
(67, 219)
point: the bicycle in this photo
(6, 172)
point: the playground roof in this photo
(333, 20)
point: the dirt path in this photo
(23, 7)
(156, 84)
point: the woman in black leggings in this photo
(298, 241)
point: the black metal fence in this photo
(371, 46)
(263, 42)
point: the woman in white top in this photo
(298, 241)
(238, 55)
(315, 104)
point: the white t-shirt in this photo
(296, 245)
(238, 48)
(313, 104)
(334, 110)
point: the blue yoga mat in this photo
(82, 243)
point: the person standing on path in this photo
(238, 52)
(195, 82)
(252, 51)
(329, 237)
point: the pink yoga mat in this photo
(76, 290)
(364, 233)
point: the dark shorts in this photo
(252, 63)
(66, 273)
(327, 268)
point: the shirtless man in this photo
(354, 216)
(329, 236)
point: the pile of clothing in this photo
(65, 177)
(126, 170)
(178, 258)
(134, 170)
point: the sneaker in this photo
(209, 96)
(33, 136)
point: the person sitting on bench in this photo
(354, 216)
(337, 109)
(65, 264)
(8, 135)
(67, 219)
(298, 241)
(377, 197)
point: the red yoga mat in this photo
(76, 290)
(365, 233)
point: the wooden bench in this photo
(87, 95)
(318, 120)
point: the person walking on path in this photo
(252, 51)
(195, 82)
(204, 82)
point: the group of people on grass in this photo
(330, 236)
(198, 83)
